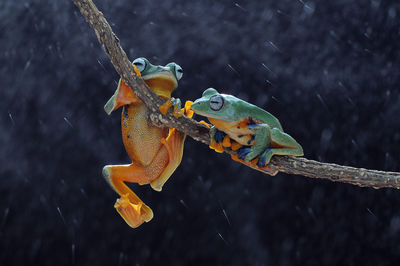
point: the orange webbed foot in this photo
(133, 214)
(186, 110)
(165, 107)
(183, 111)
(177, 111)
(226, 142)
(216, 146)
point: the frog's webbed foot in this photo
(218, 135)
(133, 214)
(265, 157)
(186, 110)
(243, 152)
(129, 206)
(177, 110)
(220, 140)
(216, 138)
(165, 106)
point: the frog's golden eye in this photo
(178, 72)
(139, 63)
(216, 102)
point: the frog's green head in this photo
(215, 105)
(161, 79)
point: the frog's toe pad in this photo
(132, 213)
(216, 146)
(242, 152)
(262, 159)
(186, 110)
(165, 107)
(219, 136)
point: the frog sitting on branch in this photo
(255, 134)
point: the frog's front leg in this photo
(262, 136)
(122, 96)
(219, 140)
(217, 135)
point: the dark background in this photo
(329, 70)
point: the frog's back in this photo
(257, 115)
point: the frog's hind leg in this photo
(173, 144)
(129, 206)
(262, 136)
(281, 144)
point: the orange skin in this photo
(233, 144)
(155, 152)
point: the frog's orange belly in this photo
(142, 142)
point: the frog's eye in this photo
(178, 72)
(139, 63)
(216, 102)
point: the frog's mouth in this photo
(196, 107)
(200, 107)
(162, 83)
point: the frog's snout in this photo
(195, 105)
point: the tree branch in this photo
(290, 165)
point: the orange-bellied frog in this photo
(257, 134)
(155, 152)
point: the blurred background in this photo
(329, 70)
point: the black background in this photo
(329, 70)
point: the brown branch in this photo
(199, 132)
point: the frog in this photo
(254, 133)
(155, 152)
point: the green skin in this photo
(262, 128)
(149, 70)
(171, 71)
